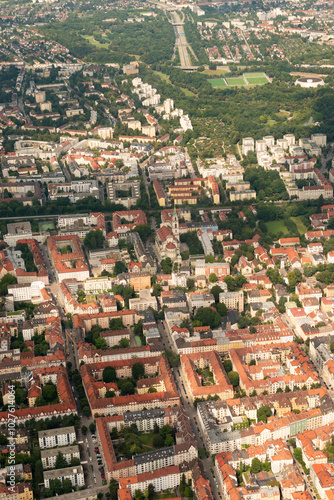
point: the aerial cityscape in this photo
(167, 250)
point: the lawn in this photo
(138, 340)
(217, 82)
(275, 226)
(163, 77)
(171, 494)
(215, 72)
(236, 81)
(258, 80)
(254, 75)
(47, 226)
(147, 440)
(166, 79)
(94, 42)
(300, 225)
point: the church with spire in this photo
(167, 241)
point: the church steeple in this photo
(175, 224)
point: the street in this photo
(191, 413)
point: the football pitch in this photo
(256, 78)
(240, 81)
(235, 81)
(217, 82)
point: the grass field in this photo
(166, 78)
(300, 225)
(94, 42)
(259, 80)
(138, 340)
(254, 75)
(240, 81)
(46, 226)
(256, 78)
(215, 72)
(147, 440)
(217, 82)
(276, 226)
(236, 81)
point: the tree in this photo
(8, 279)
(84, 430)
(190, 284)
(3, 440)
(331, 345)
(119, 268)
(227, 365)
(110, 394)
(49, 392)
(256, 466)
(263, 413)
(207, 317)
(297, 453)
(138, 371)
(144, 231)
(139, 495)
(158, 441)
(213, 278)
(20, 396)
(92, 427)
(61, 462)
(127, 388)
(234, 378)
(166, 265)
(151, 491)
(109, 374)
(101, 343)
(124, 343)
(113, 489)
(94, 239)
(216, 290)
(67, 485)
(169, 441)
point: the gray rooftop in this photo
(151, 456)
(51, 452)
(67, 471)
(59, 431)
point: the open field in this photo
(259, 80)
(217, 82)
(215, 72)
(254, 75)
(300, 225)
(94, 42)
(276, 226)
(256, 78)
(246, 80)
(138, 340)
(235, 81)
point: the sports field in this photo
(256, 78)
(217, 82)
(238, 80)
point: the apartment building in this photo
(63, 436)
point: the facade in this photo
(74, 474)
(63, 436)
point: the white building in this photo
(74, 474)
(97, 285)
(17, 231)
(49, 456)
(144, 301)
(247, 145)
(185, 123)
(62, 436)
